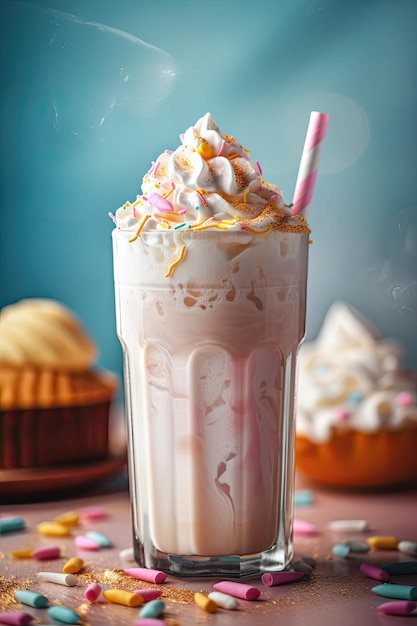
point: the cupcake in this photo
(356, 407)
(54, 404)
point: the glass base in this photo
(232, 566)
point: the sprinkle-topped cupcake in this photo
(356, 407)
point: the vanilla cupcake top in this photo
(349, 378)
(44, 333)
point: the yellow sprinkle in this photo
(310, 241)
(53, 529)
(70, 518)
(137, 202)
(167, 218)
(246, 150)
(258, 232)
(164, 223)
(23, 554)
(205, 150)
(139, 230)
(176, 262)
(380, 542)
(245, 195)
(197, 224)
(205, 603)
(233, 156)
(118, 596)
(73, 565)
(168, 193)
(127, 204)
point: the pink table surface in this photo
(337, 594)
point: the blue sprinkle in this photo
(62, 614)
(303, 497)
(342, 550)
(10, 524)
(154, 608)
(101, 539)
(355, 398)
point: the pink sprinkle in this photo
(258, 165)
(46, 552)
(93, 591)
(148, 594)
(172, 184)
(94, 513)
(145, 198)
(182, 137)
(270, 579)
(149, 575)
(301, 527)
(373, 571)
(168, 151)
(182, 211)
(160, 202)
(134, 211)
(202, 198)
(397, 607)
(221, 148)
(274, 195)
(16, 618)
(237, 590)
(342, 414)
(404, 399)
(260, 188)
(112, 216)
(85, 543)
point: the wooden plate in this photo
(57, 480)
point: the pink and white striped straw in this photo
(309, 164)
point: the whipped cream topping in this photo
(351, 379)
(207, 182)
(44, 333)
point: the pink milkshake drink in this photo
(210, 272)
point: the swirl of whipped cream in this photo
(209, 179)
(44, 333)
(349, 378)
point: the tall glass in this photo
(210, 368)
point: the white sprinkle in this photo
(127, 554)
(68, 580)
(348, 525)
(408, 547)
(223, 600)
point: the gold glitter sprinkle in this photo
(118, 579)
(241, 176)
(8, 587)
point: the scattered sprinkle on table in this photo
(62, 614)
(45, 553)
(271, 579)
(348, 525)
(381, 542)
(16, 619)
(373, 571)
(205, 603)
(153, 608)
(11, 524)
(31, 598)
(119, 596)
(149, 575)
(53, 529)
(67, 580)
(302, 527)
(73, 565)
(238, 590)
(400, 592)
(397, 607)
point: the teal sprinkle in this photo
(303, 497)
(180, 226)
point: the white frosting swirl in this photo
(44, 333)
(208, 178)
(349, 378)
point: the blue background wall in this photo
(92, 91)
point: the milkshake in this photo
(210, 278)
